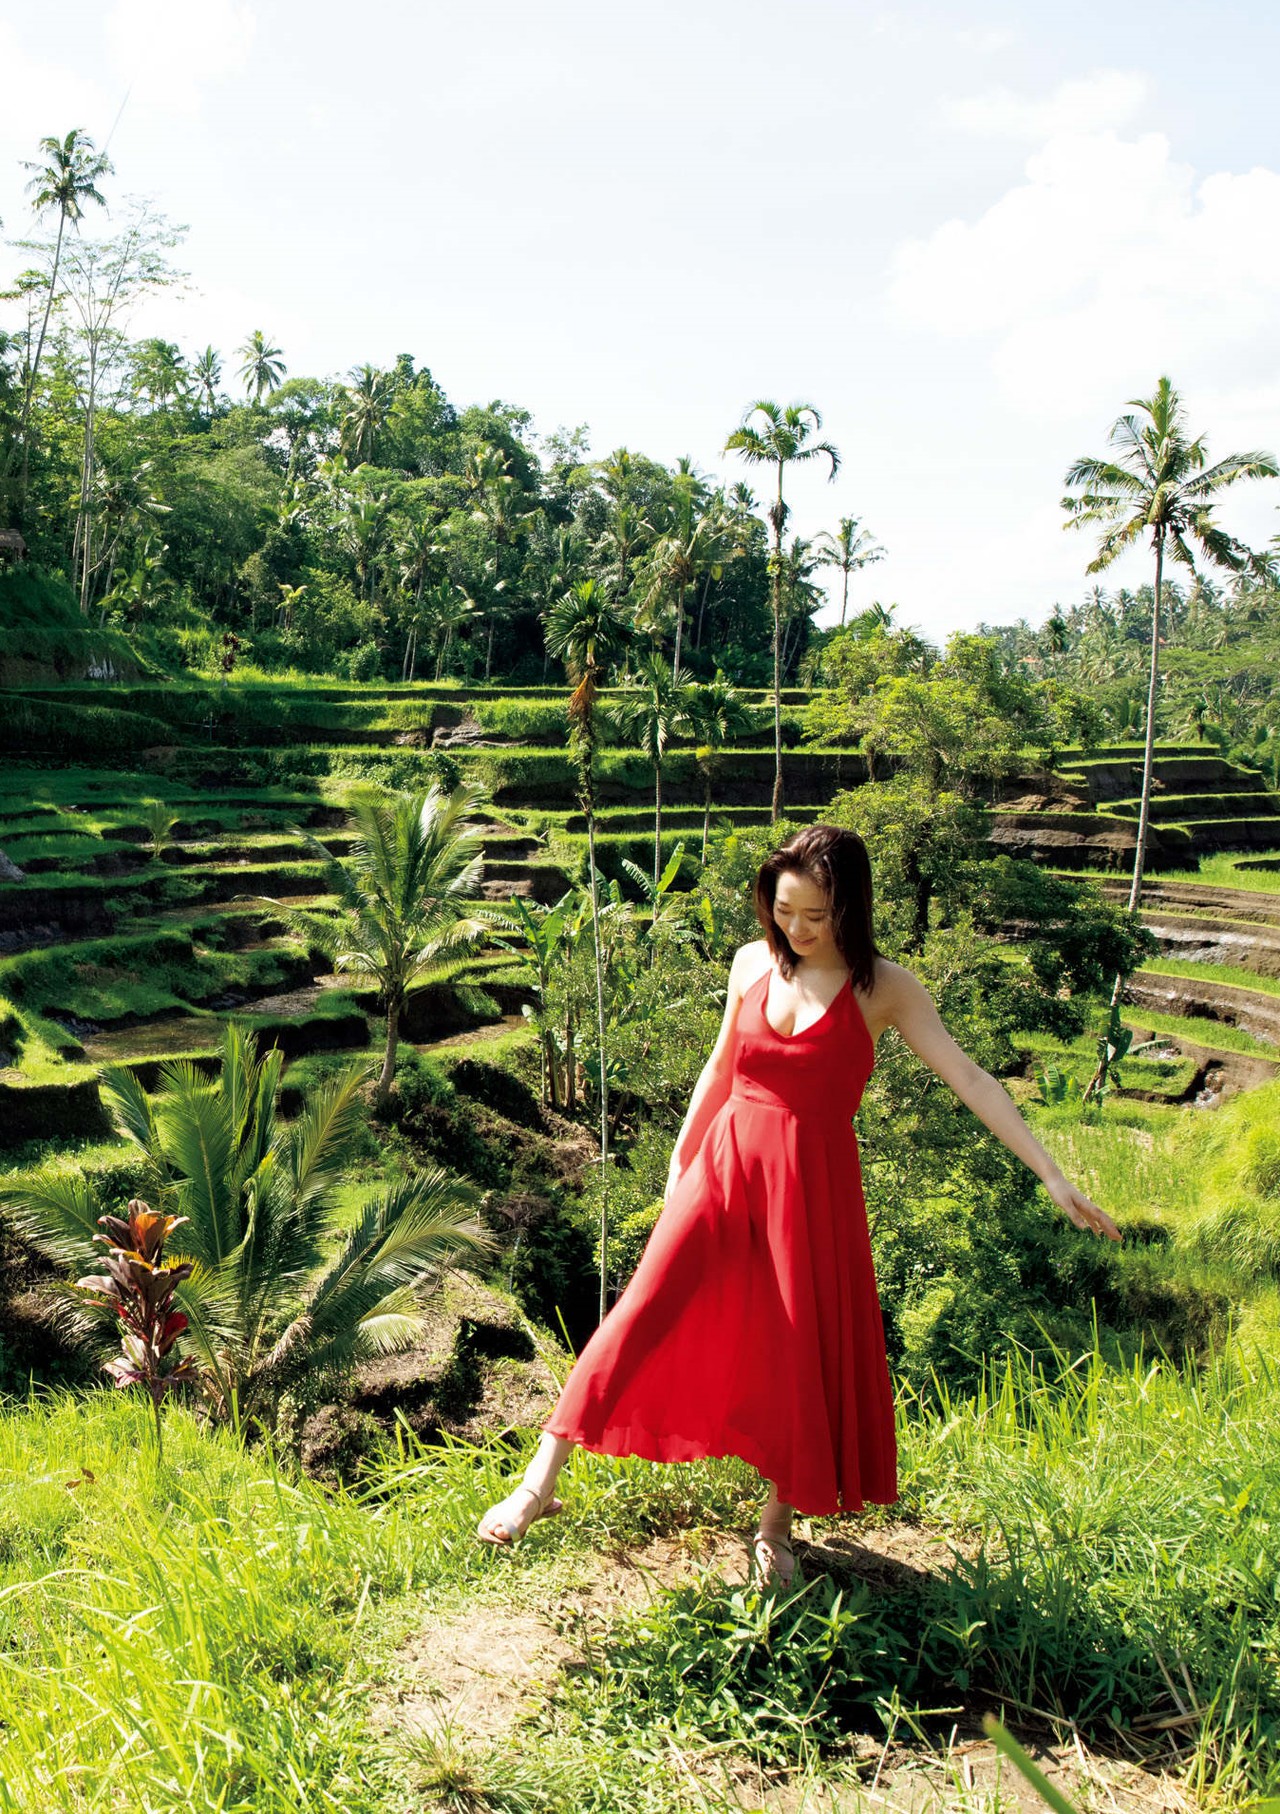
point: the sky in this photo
(969, 234)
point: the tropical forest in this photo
(382, 786)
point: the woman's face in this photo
(802, 913)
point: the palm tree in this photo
(693, 544)
(498, 507)
(418, 550)
(447, 608)
(160, 372)
(66, 181)
(717, 713)
(850, 549)
(1157, 484)
(207, 372)
(264, 367)
(801, 598)
(283, 1288)
(587, 631)
(402, 895)
(772, 436)
(366, 402)
(649, 711)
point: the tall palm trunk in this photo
(29, 394)
(776, 812)
(844, 597)
(657, 819)
(389, 1057)
(84, 516)
(702, 611)
(1148, 753)
(586, 734)
(604, 1084)
(1098, 1082)
(675, 662)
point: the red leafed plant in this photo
(139, 1287)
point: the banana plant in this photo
(535, 934)
(666, 907)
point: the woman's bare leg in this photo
(518, 1510)
(774, 1557)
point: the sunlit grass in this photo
(215, 1633)
(1232, 974)
(1201, 1031)
(1224, 869)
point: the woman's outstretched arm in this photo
(909, 1007)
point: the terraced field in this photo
(113, 951)
(116, 949)
(1084, 813)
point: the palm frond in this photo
(319, 1139)
(56, 1212)
(196, 1137)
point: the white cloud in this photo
(1107, 265)
(1108, 97)
(168, 48)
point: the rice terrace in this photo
(386, 786)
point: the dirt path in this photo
(465, 1681)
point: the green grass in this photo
(1224, 870)
(214, 1633)
(1203, 1032)
(107, 980)
(1231, 974)
(1078, 1058)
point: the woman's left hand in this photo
(1081, 1210)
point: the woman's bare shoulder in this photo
(750, 962)
(895, 988)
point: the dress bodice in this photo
(820, 1071)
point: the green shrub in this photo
(420, 1080)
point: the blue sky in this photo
(969, 233)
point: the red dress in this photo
(751, 1325)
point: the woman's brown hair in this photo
(837, 861)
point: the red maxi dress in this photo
(751, 1325)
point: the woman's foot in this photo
(506, 1522)
(775, 1560)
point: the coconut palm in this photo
(283, 1289)
(695, 543)
(402, 896)
(364, 410)
(264, 367)
(160, 372)
(649, 711)
(717, 714)
(587, 632)
(207, 372)
(66, 180)
(499, 506)
(447, 608)
(772, 436)
(1157, 484)
(850, 549)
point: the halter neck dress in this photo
(751, 1325)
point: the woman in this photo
(751, 1325)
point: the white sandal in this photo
(548, 1507)
(767, 1571)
